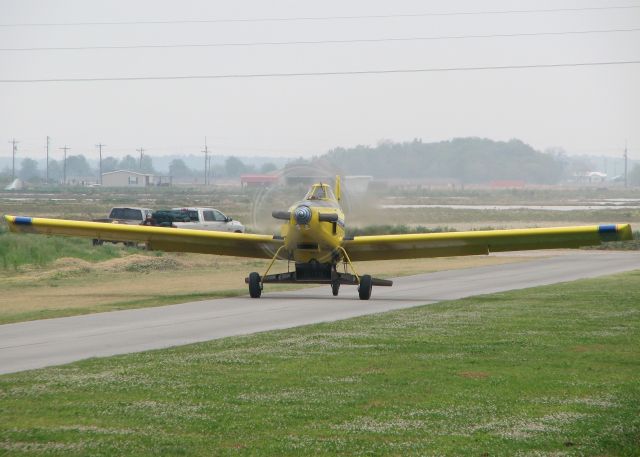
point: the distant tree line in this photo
(470, 160)
(78, 167)
(233, 167)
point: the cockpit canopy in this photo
(320, 192)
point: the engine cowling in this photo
(302, 215)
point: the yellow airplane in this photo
(313, 238)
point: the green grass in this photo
(17, 250)
(546, 371)
(632, 245)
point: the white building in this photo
(357, 184)
(127, 178)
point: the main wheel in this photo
(255, 289)
(335, 288)
(364, 289)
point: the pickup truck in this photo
(124, 215)
(197, 219)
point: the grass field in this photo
(546, 371)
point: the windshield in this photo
(320, 192)
(126, 214)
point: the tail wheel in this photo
(335, 288)
(255, 289)
(364, 290)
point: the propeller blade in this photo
(328, 217)
(282, 215)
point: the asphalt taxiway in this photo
(37, 344)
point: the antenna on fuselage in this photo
(338, 187)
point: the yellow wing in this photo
(157, 238)
(481, 242)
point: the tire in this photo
(255, 289)
(96, 242)
(335, 288)
(364, 289)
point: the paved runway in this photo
(48, 342)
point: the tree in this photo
(77, 166)
(128, 163)
(469, 160)
(633, 178)
(5, 175)
(28, 170)
(179, 169)
(55, 170)
(234, 166)
(147, 164)
(268, 168)
(109, 164)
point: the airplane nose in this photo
(302, 215)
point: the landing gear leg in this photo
(365, 282)
(254, 280)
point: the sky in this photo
(583, 109)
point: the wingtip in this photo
(624, 232)
(14, 221)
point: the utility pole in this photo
(206, 162)
(626, 159)
(64, 165)
(14, 149)
(100, 146)
(141, 151)
(47, 175)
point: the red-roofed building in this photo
(507, 184)
(258, 180)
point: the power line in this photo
(315, 42)
(325, 73)
(320, 18)
(100, 146)
(626, 161)
(14, 149)
(64, 164)
(141, 151)
(47, 149)
(206, 162)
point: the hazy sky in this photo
(583, 109)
